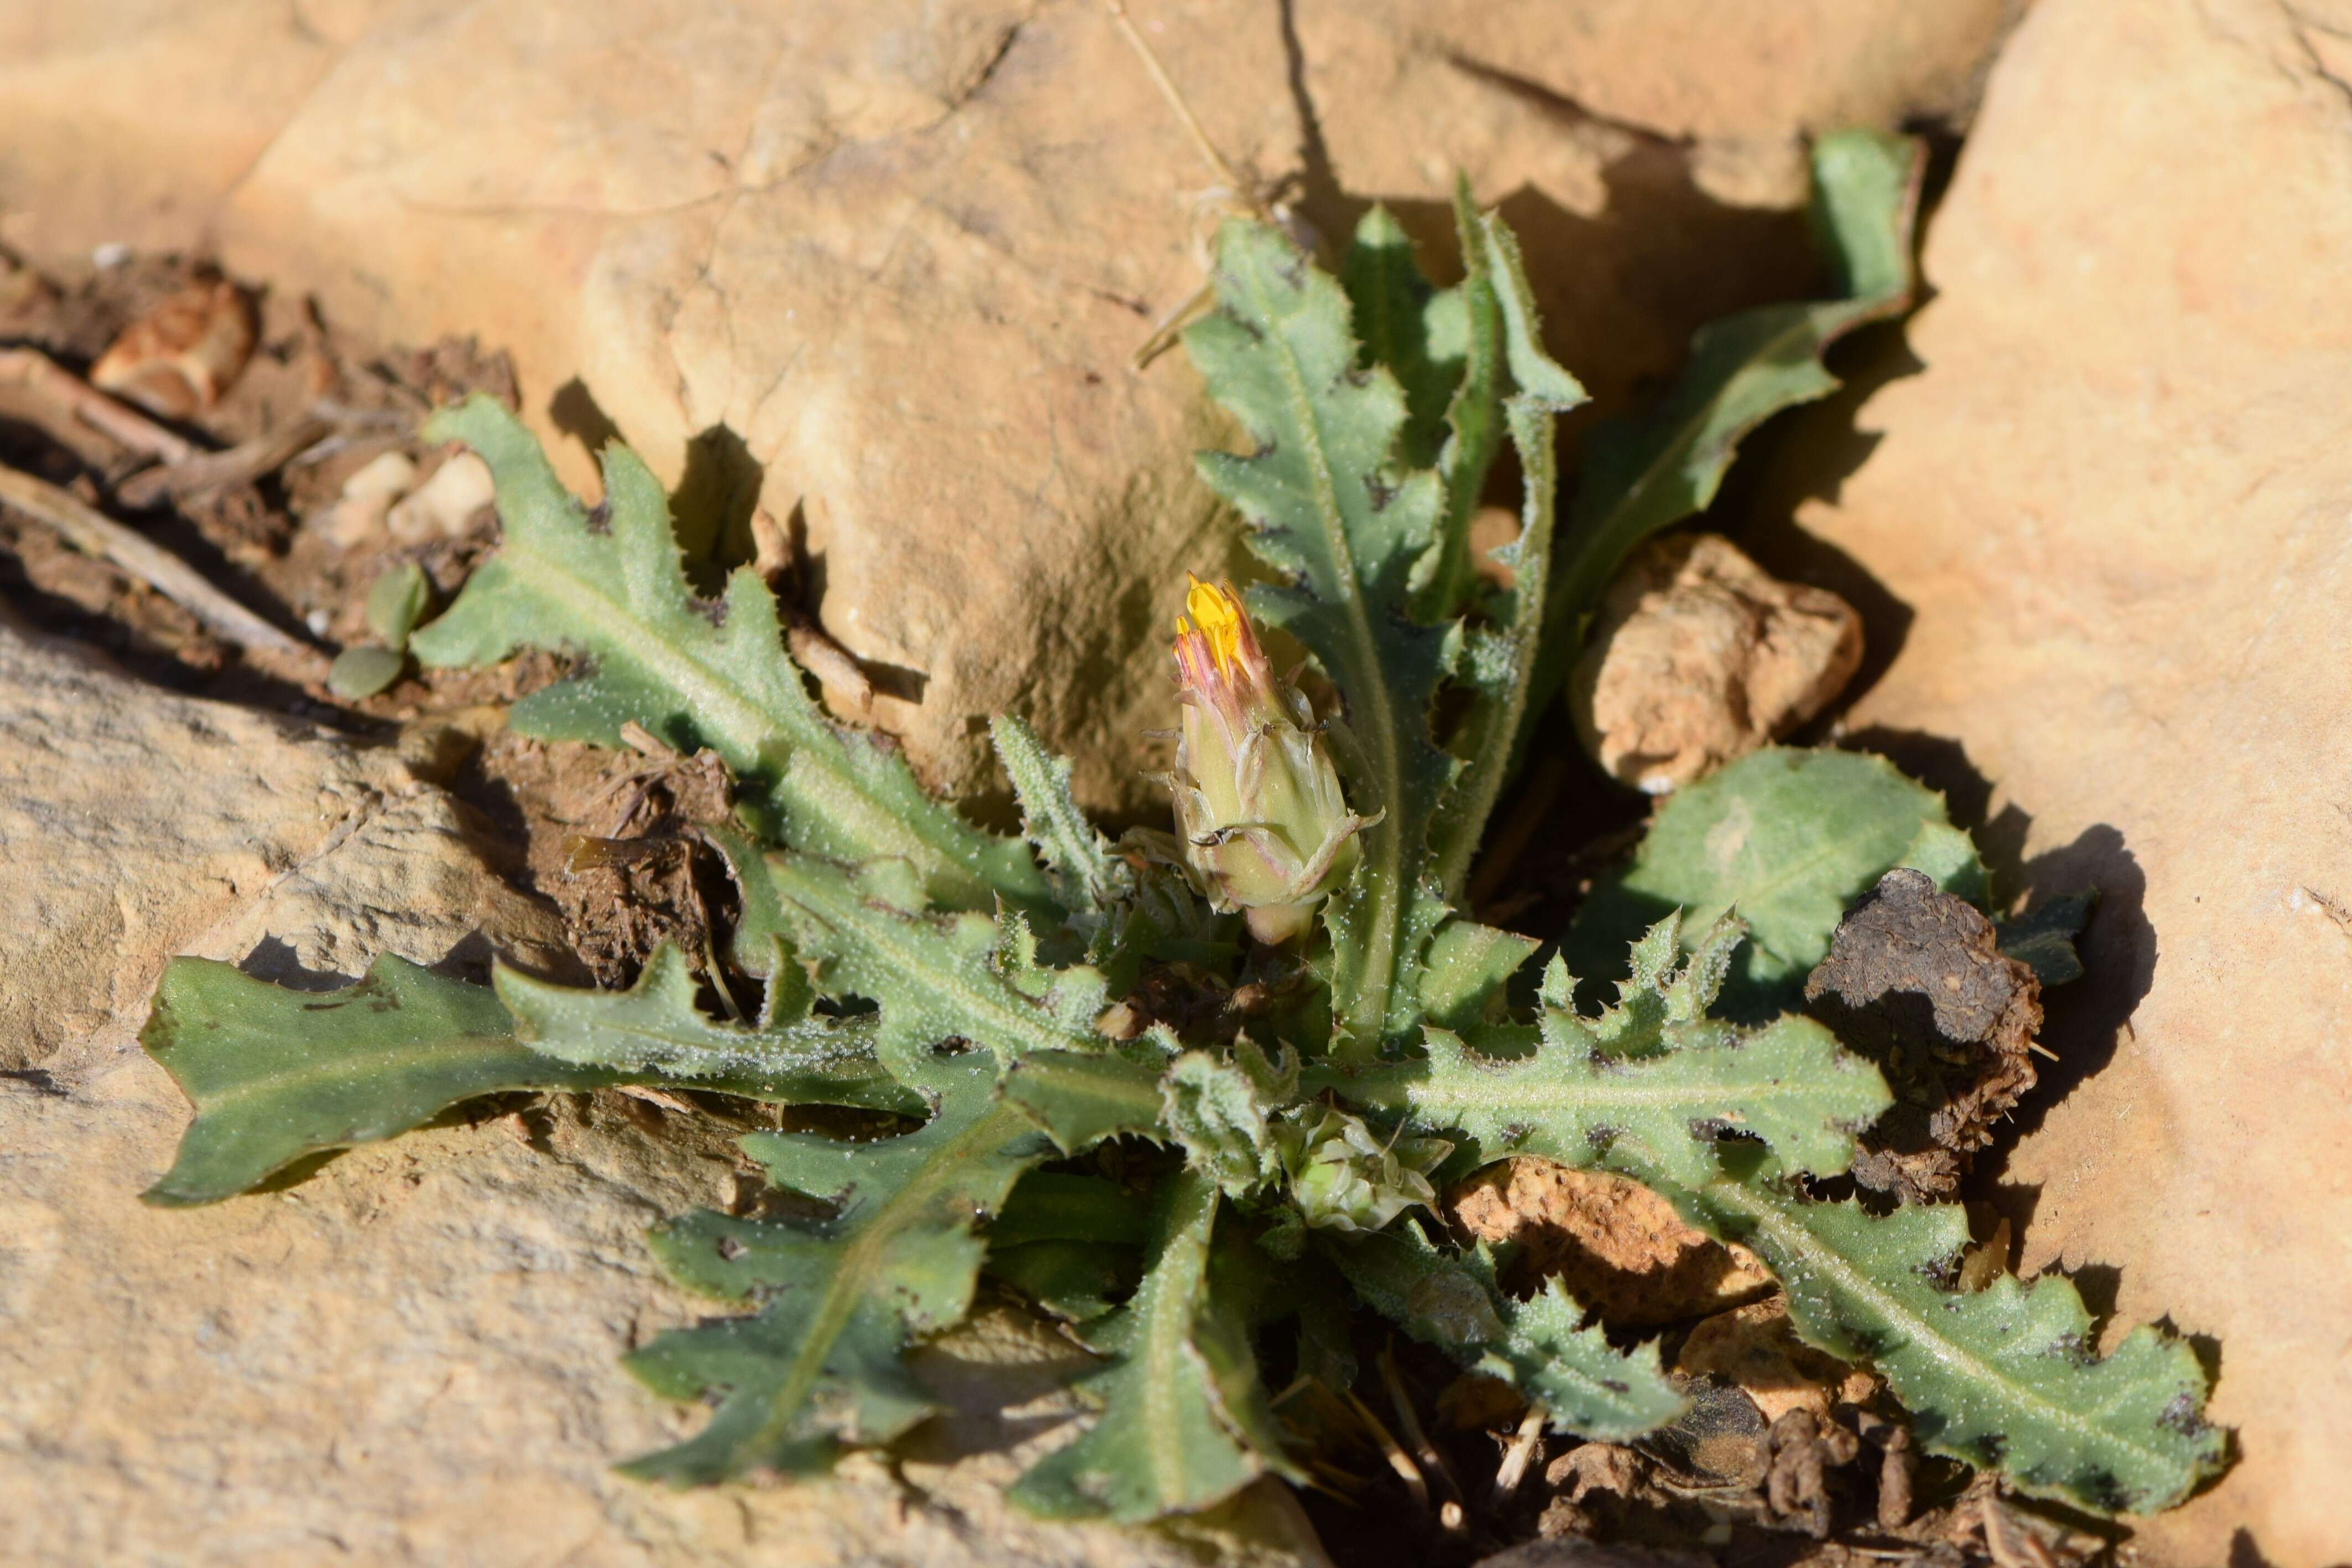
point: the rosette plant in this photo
(1284, 1023)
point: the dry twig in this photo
(211, 471)
(38, 374)
(90, 531)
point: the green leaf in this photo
(1184, 1422)
(277, 1074)
(2043, 938)
(1220, 1113)
(1076, 1281)
(959, 975)
(365, 669)
(1081, 1097)
(611, 587)
(1652, 1074)
(1417, 332)
(1788, 837)
(1645, 474)
(819, 1368)
(397, 601)
(1329, 510)
(657, 1027)
(1089, 879)
(1450, 1300)
(1467, 967)
(2005, 1378)
(1061, 1205)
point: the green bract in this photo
(992, 1011)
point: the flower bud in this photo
(1345, 1175)
(1258, 804)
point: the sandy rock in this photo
(1755, 1348)
(444, 504)
(1700, 657)
(2115, 504)
(1618, 1248)
(135, 823)
(901, 250)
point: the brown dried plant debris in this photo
(1914, 982)
(1617, 1246)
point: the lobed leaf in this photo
(819, 1369)
(658, 1026)
(937, 976)
(1450, 1300)
(1087, 878)
(1185, 1423)
(276, 1074)
(1644, 474)
(2006, 1378)
(610, 585)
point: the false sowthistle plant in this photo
(988, 993)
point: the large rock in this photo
(2115, 504)
(902, 251)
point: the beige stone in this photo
(1755, 1348)
(1618, 1248)
(1700, 657)
(2115, 504)
(904, 250)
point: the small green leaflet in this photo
(656, 1026)
(611, 584)
(1450, 1300)
(819, 1369)
(1788, 837)
(1184, 1421)
(1644, 474)
(278, 1074)
(1088, 877)
(2006, 1377)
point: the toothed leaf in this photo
(611, 585)
(658, 1026)
(819, 1369)
(1184, 1422)
(2006, 1377)
(277, 1074)
(1088, 877)
(1450, 1300)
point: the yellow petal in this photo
(1219, 616)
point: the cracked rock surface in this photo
(903, 250)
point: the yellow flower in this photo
(1258, 803)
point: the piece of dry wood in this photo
(35, 372)
(211, 471)
(92, 532)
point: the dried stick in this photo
(95, 533)
(210, 470)
(35, 372)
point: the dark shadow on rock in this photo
(274, 959)
(575, 411)
(717, 493)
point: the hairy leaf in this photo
(959, 975)
(2006, 1378)
(277, 1074)
(1644, 474)
(657, 1026)
(1329, 510)
(819, 1369)
(1088, 877)
(1081, 1097)
(1788, 837)
(610, 585)
(1653, 1073)
(1184, 1421)
(1451, 1300)
(1220, 1113)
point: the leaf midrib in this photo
(1957, 1359)
(1381, 874)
